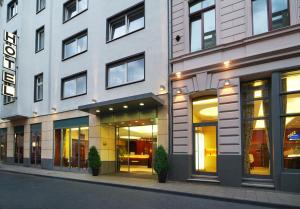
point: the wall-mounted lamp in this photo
(227, 83)
(94, 100)
(34, 114)
(97, 111)
(178, 74)
(162, 88)
(53, 109)
(227, 64)
(111, 109)
(179, 91)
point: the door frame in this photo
(205, 124)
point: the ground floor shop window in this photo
(205, 117)
(71, 147)
(35, 145)
(19, 144)
(290, 94)
(256, 131)
(3, 144)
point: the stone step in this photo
(258, 183)
(204, 178)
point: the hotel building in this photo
(236, 93)
(86, 73)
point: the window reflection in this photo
(260, 16)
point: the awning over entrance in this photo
(132, 103)
(15, 117)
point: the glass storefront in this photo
(19, 144)
(35, 144)
(290, 96)
(3, 144)
(256, 133)
(205, 117)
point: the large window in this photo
(75, 45)
(74, 7)
(125, 72)
(126, 22)
(256, 132)
(202, 25)
(268, 15)
(38, 87)
(39, 39)
(40, 5)
(291, 119)
(12, 9)
(74, 85)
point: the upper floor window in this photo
(75, 45)
(126, 22)
(74, 85)
(127, 71)
(40, 5)
(12, 9)
(39, 39)
(73, 8)
(268, 15)
(38, 87)
(202, 25)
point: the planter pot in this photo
(162, 177)
(95, 171)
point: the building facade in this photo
(88, 73)
(235, 92)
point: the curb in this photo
(140, 188)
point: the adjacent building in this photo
(235, 92)
(88, 73)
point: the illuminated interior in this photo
(205, 110)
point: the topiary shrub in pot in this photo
(161, 164)
(94, 161)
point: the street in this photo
(18, 191)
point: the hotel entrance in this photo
(135, 148)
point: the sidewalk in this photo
(243, 195)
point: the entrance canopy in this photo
(138, 102)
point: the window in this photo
(256, 131)
(126, 22)
(75, 45)
(12, 9)
(125, 72)
(268, 15)
(202, 25)
(39, 39)
(35, 144)
(40, 5)
(74, 85)
(290, 97)
(73, 8)
(38, 87)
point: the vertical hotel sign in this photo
(9, 64)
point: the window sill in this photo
(38, 100)
(64, 59)
(37, 51)
(9, 19)
(65, 98)
(65, 21)
(38, 11)
(125, 84)
(108, 41)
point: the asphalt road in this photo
(19, 191)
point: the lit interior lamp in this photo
(227, 83)
(111, 109)
(97, 111)
(179, 91)
(142, 104)
(53, 109)
(227, 64)
(178, 74)
(125, 106)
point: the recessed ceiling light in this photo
(136, 121)
(178, 74)
(142, 104)
(125, 106)
(97, 111)
(110, 109)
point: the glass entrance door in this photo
(35, 147)
(19, 147)
(3, 144)
(205, 149)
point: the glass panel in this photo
(291, 142)
(123, 149)
(209, 29)
(206, 149)
(70, 49)
(205, 110)
(257, 149)
(82, 44)
(19, 147)
(75, 147)
(136, 21)
(256, 109)
(290, 81)
(66, 161)
(69, 88)
(196, 33)
(117, 75)
(84, 147)
(280, 14)
(3, 145)
(259, 16)
(201, 5)
(70, 10)
(57, 147)
(135, 70)
(82, 5)
(118, 29)
(258, 89)
(81, 85)
(42, 35)
(36, 147)
(292, 103)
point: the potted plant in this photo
(161, 164)
(94, 161)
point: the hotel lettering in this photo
(9, 64)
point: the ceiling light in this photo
(53, 109)
(178, 74)
(179, 91)
(136, 121)
(227, 82)
(94, 100)
(125, 106)
(111, 109)
(209, 112)
(257, 83)
(97, 111)
(142, 104)
(206, 101)
(162, 88)
(227, 64)
(34, 114)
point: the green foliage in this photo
(94, 158)
(161, 163)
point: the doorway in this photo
(135, 148)
(19, 145)
(3, 144)
(35, 145)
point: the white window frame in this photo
(12, 12)
(71, 78)
(40, 6)
(72, 39)
(77, 9)
(39, 86)
(38, 46)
